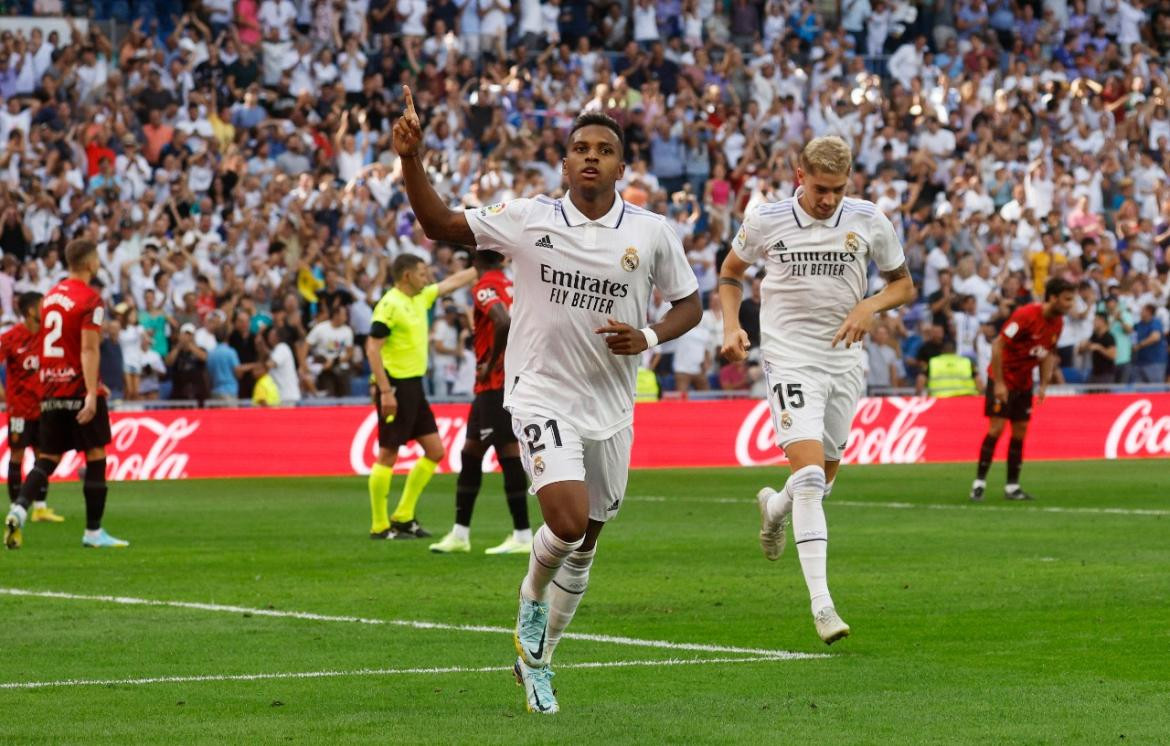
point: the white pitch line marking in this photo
(611, 639)
(368, 672)
(928, 506)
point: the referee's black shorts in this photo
(22, 433)
(414, 417)
(60, 432)
(488, 421)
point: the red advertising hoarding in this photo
(312, 441)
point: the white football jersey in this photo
(572, 274)
(815, 273)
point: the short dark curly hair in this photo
(591, 118)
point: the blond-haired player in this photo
(815, 248)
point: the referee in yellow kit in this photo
(397, 351)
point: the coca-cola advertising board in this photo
(325, 441)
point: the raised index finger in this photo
(410, 112)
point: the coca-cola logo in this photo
(884, 431)
(1136, 433)
(141, 448)
(363, 449)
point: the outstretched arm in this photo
(439, 222)
(462, 278)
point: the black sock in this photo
(36, 483)
(986, 453)
(467, 488)
(516, 492)
(1015, 460)
(15, 476)
(95, 493)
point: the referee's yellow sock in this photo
(379, 482)
(416, 481)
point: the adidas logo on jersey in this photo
(778, 246)
(544, 242)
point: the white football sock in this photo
(93, 534)
(523, 535)
(548, 554)
(780, 503)
(812, 535)
(461, 532)
(19, 511)
(40, 504)
(979, 483)
(567, 590)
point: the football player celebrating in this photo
(816, 247)
(585, 266)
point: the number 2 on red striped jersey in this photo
(54, 327)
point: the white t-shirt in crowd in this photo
(328, 341)
(284, 374)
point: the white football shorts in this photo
(553, 451)
(810, 404)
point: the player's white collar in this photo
(574, 217)
(804, 220)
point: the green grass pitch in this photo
(1046, 622)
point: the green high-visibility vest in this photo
(646, 386)
(950, 375)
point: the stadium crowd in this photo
(233, 160)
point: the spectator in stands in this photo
(1121, 327)
(187, 367)
(224, 369)
(282, 364)
(332, 353)
(1149, 359)
(152, 369)
(1101, 346)
(693, 359)
(112, 368)
(1009, 146)
(884, 369)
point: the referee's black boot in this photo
(411, 529)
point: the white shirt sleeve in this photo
(282, 356)
(316, 334)
(499, 227)
(671, 272)
(885, 248)
(747, 244)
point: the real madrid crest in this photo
(537, 466)
(631, 261)
(785, 421)
(852, 243)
